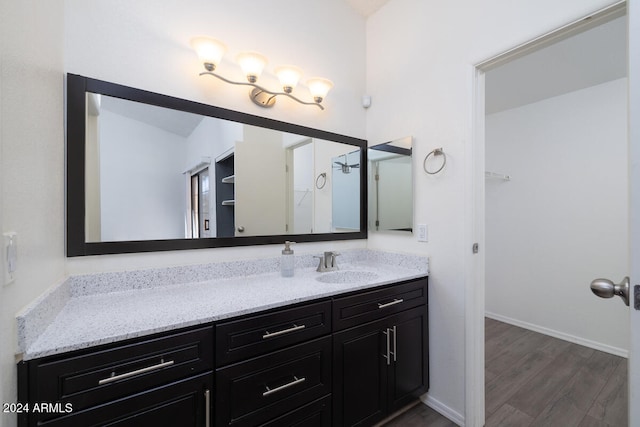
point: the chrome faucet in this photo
(327, 261)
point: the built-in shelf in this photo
(225, 194)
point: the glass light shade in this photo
(210, 51)
(319, 88)
(288, 76)
(252, 64)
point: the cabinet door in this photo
(380, 367)
(360, 375)
(183, 403)
(409, 367)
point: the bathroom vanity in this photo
(341, 348)
(230, 343)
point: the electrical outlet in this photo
(423, 235)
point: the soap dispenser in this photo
(288, 260)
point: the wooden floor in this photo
(536, 380)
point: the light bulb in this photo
(252, 64)
(210, 51)
(288, 76)
(319, 88)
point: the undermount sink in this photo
(347, 277)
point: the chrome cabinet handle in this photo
(114, 377)
(394, 302)
(388, 351)
(295, 381)
(207, 408)
(395, 344)
(284, 331)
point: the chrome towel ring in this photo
(321, 178)
(435, 152)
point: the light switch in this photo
(10, 256)
(423, 235)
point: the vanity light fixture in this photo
(210, 51)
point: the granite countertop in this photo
(90, 310)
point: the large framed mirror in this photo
(150, 172)
(391, 186)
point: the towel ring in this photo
(436, 152)
(323, 175)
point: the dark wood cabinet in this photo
(255, 391)
(181, 403)
(171, 373)
(258, 334)
(344, 361)
(382, 365)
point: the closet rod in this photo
(488, 174)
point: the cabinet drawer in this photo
(364, 307)
(258, 390)
(240, 339)
(314, 414)
(182, 403)
(92, 378)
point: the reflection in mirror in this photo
(391, 186)
(151, 171)
(148, 172)
(346, 181)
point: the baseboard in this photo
(443, 409)
(561, 335)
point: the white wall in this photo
(31, 163)
(142, 45)
(418, 57)
(562, 220)
(142, 187)
(420, 62)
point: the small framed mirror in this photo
(391, 186)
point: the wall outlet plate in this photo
(423, 235)
(9, 256)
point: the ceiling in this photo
(177, 122)
(366, 7)
(589, 58)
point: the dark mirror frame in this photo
(77, 86)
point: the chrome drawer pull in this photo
(394, 302)
(295, 381)
(207, 408)
(284, 331)
(113, 377)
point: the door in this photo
(409, 375)
(475, 290)
(360, 375)
(380, 367)
(260, 196)
(633, 12)
(300, 184)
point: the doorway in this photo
(537, 172)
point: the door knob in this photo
(605, 288)
(241, 229)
